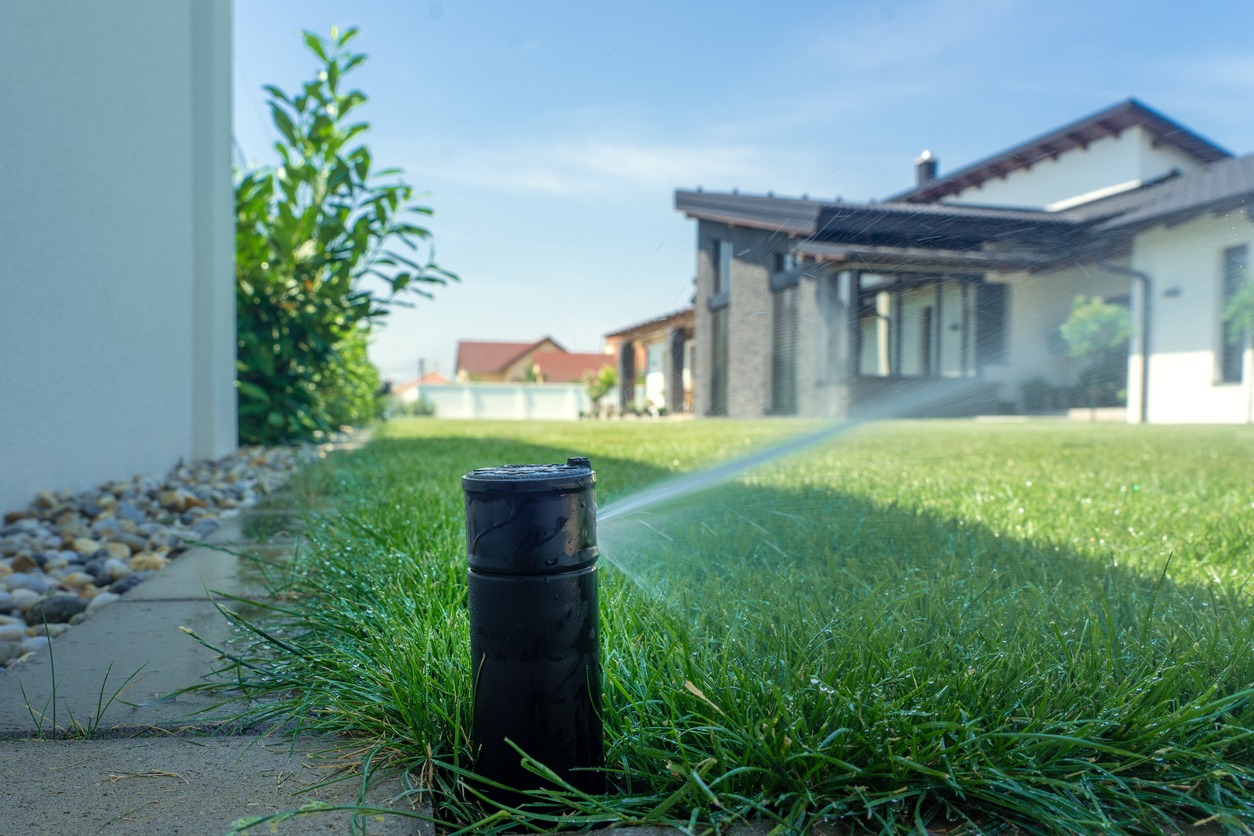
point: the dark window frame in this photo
(1230, 356)
(992, 324)
(721, 257)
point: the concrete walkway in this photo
(94, 739)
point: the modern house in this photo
(947, 298)
(655, 363)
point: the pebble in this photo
(35, 644)
(27, 581)
(104, 599)
(10, 651)
(24, 599)
(50, 630)
(128, 583)
(69, 554)
(55, 610)
(116, 569)
(147, 560)
(78, 580)
(12, 632)
(23, 563)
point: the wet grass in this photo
(916, 626)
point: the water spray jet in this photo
(534, 636)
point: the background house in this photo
(655, 363)
(485, 361)
(947, 298)
(117, 328)
(567, 366)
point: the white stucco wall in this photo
(1039, 304)
(117, 332)
(1110, 161)
(1185, 263)
(508, 401)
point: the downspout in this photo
(1144, 283)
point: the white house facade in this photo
(117, 323)
(948, 298)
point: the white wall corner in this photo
(214, 415)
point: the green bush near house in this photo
(1098, 331)
(1239, 313)
(599, 385)
(325, 246)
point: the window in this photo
(911, 325)
(785, 272)
(991, 303)
(1236, 259)
(720, 263)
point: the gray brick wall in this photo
(749, 321)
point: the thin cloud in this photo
(611, 166)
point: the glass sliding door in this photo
(916, 326)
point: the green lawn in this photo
(910, 625)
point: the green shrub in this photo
(1098, 331)
(309, 233)
(1239, 312)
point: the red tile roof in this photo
(566, 367)
(475, 356)
(428, 378)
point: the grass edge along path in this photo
(947, 638)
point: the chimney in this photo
(925, 168)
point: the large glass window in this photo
(1236, 260)
(915, 326)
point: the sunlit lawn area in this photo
(913, 625)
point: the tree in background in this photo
(599, 385)
(310, 234)
(1098, 331)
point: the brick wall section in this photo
(749, 320)
(822, 367)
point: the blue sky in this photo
(550, 136)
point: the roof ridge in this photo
(1109, 121)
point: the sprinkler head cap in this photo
(531, 519)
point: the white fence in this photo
(503, 401)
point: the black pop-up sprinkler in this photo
(532, 550)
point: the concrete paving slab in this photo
(226, 568)
(122, 639)
(186, 786)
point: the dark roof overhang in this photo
(1222, 187)
(939, 226)
(787, 215)
(919, 258)
(676, 319)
